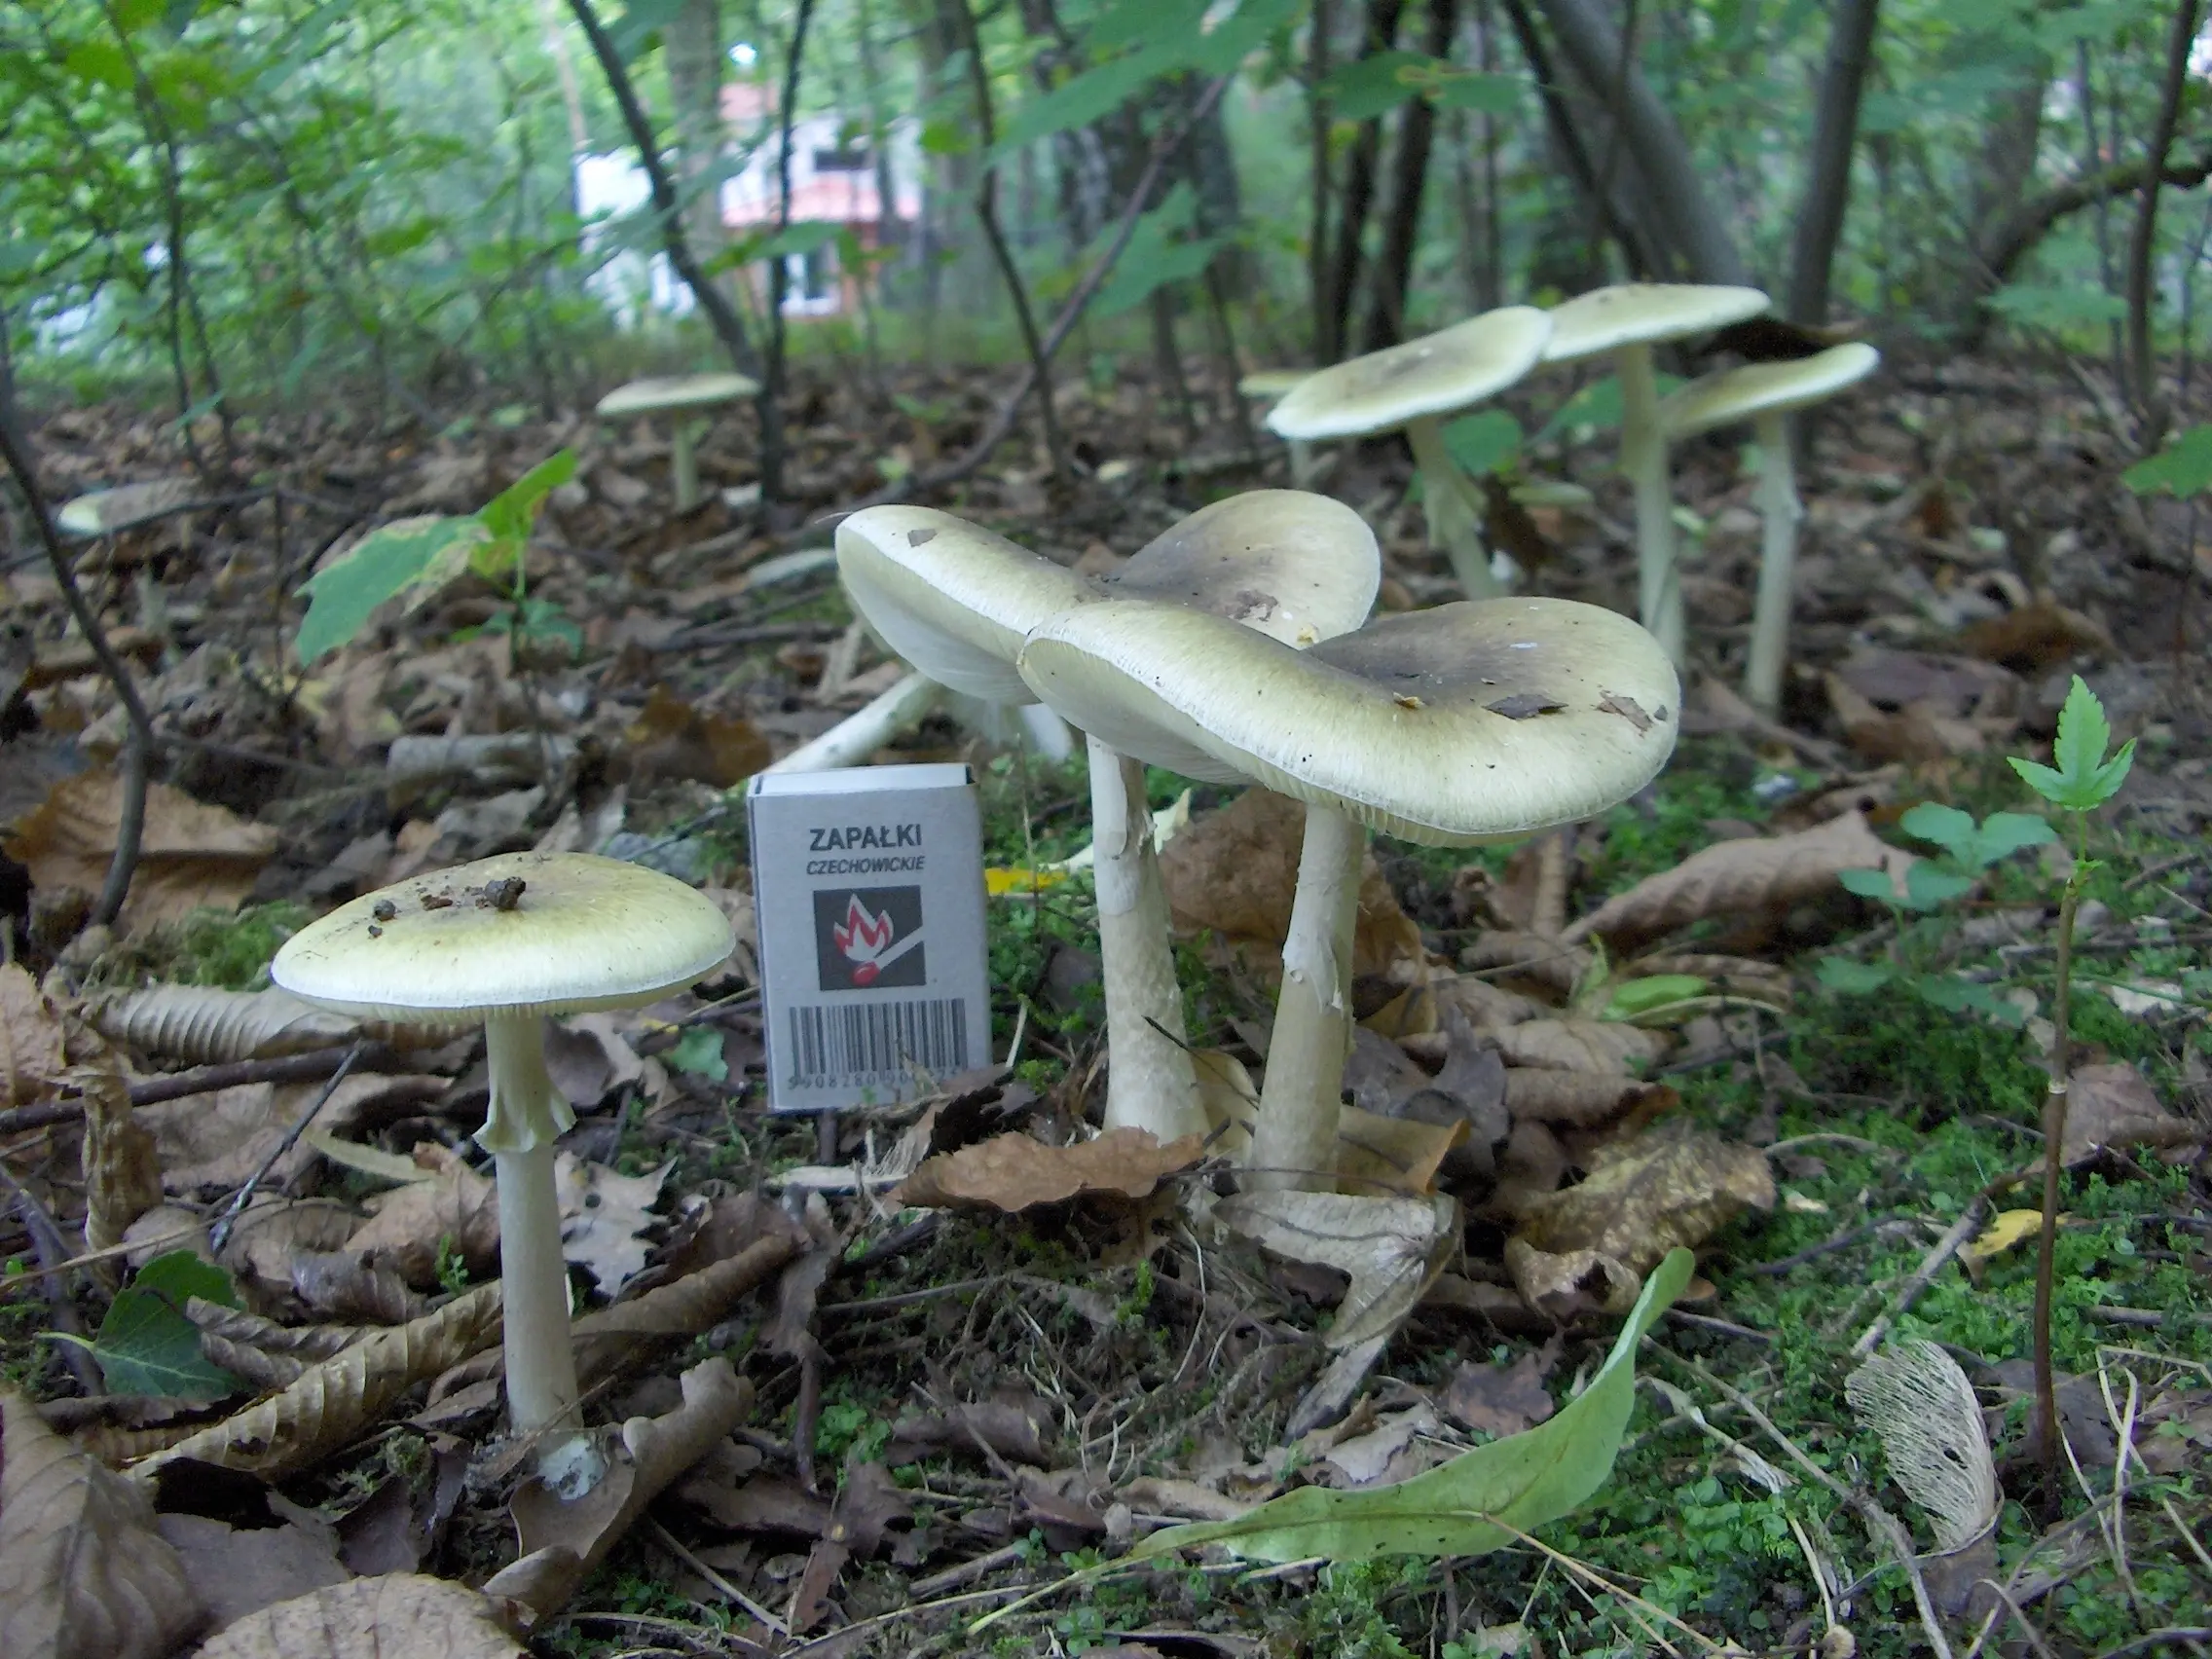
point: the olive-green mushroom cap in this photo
(1643, 313)
(1273, 383)
(104, 512)
(1765, 389)
(580, 933)
(1482, 720)
(957, 601)
(1418, 379)
(660, 392)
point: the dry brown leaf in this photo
(1761, 873)
(200, 1025)
(2112, 1108)
(30, 1038)
(192, 856)
(2036, 638)
(408, 1225)
(400, 1613)
(672, 739)
(588, 1057)
(1560, 1286)
(122, 1172)
(1501, 1399)
(1578, 1099)
(644, 1457)
(1235, 871)
(1915, 734)
(605, 1216)
(1605, 1046)
(1536, 959)
(239, 1570)
(1017, 1171)
(83, 1572)
(332, 1404)
(1667, 1186)
(219, 1140)
(1392, 1154)
(1392, 1247)
(271, 1232)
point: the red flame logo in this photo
(863, 939)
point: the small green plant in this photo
(2082, 779)
(147, 1345)
(452, 1269)
(1969, 850)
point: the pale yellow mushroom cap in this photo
(1765, 389)
(1643, 313)
(1416, 379)
(662, 392)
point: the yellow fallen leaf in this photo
(2006, 1228)
(999, 880)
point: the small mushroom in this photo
(678, 395)
(1271, 386)
(957, 601)
(1766, 393)
(1625, 323)
(1412, 386)
(514, 939)
(1476, 722)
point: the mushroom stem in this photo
(1780, 511)
(860, 734)
(1304, 463)
(1294, 1142)
(1643, 460)
(683, 463)
(1454, 524)
(1151, 1082)
(527, 1116)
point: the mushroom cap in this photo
(1765, 389)
(585, 933)
(102, 511)
(1482, 720)
(1640, 313)
(1273, 383)
(957, 601)
(651, 395)
(1432, 375)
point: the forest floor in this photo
(1835, 1101)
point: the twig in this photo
(1724, 1327)
(138, 748)
(220, 1233)
(53, 1256)
(207, 1079)
(669, 1542)
(968, 1572)
(1923, 1275)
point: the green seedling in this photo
(2081, 780)
(1969, 849)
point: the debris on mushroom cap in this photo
(1637, 313)
(675, 391)
(956, 601)
(1479, 720)
(1765, 389)
(1430, 376)
(556, 931)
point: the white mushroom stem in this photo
(683, 462)
(1643, 460)
(1454, 523)
(1151, 1082)
(1305, 463)
(1780, 511)
(527, 1116)
(860, 734)
(1294, 1143)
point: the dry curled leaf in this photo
(192, 856)
(30, 1038)
(1666, 1188)
(373, 1618)
(605, 1216)
(1392, 1247)
(1534, 1094)
(239, 1570)
(122, 1172)
(219, 1140)
(1015, 1171)
(83, 1572)
(1501, 1399)
(409, 1225)
(200, 1025)
(2112, 1108)
(330, 1405)
(1605, 1046)
(1758, 874)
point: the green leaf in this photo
(1976, 846)
(699, 1053)
(146, 1346)
(1927, 887)
(1871, 884)
(1484, 93)
(2182, 467)
(1634, 997)
(1964, 996)
(2004, 833)
(1945, 826)
(1852, 979)
(509, 516)
(383, 564)
(1483, 442)
(1087, 98)
(1523, 1479)
(1374, 85)
(100, 60)
(2082, 778)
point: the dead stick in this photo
(205, 1080)
(1923, 1276)
(53, 1256)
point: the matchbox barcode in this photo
(877, 1041)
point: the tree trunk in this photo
(1417, 133)
(1334, 315)
(1557, 263)
(1320, 172)
(1827, 175)
(2142, 369)
(693, 44)
(1698, 238)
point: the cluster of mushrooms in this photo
(1416, 387)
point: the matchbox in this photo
(869, 887)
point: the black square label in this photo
(868, 938)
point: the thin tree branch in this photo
(2015, 234)
(779, 275)
(2142, 369)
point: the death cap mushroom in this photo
(1421, 378)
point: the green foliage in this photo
(1371, 87)
(210, 947)
(1483, 442)
(2184, 467)
(2084, 779)
(452, 1267)
(420, 555)
(1160, 251)
(146, 1346)
(698, 1052)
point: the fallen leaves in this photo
(30, 1038)
(373, 1618)
(2112, 1108)
(1014, 1172)
(192, 856)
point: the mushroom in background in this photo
(1625, 323)
(1765, 395)
(678, 395)
(1470, 722)
(957, 601)
(512, 940)
(1411, 388)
